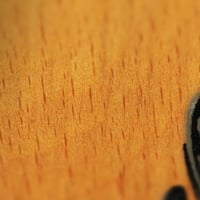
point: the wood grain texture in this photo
(94, 96)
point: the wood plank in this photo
(94, 96)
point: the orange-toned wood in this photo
(94, 96)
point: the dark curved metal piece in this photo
(191, 153)
(192, 146)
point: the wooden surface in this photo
(94, 96)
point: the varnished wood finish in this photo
(94, 96)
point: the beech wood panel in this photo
(94, 97)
